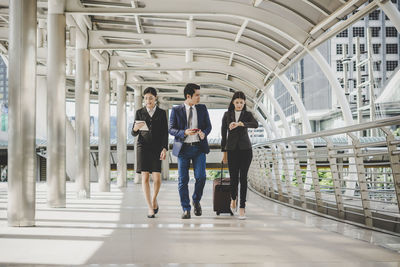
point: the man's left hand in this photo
(201, 135)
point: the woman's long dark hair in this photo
(237, 94)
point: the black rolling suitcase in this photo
(222, 194)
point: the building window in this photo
(391, 32)
(391, 49)
(374, 15)
(343, 34)
(391, 65)
(339, 65)
(376, 66)
(339, 50)
(358, 31)
(362, 48)
(376, 48)
(355, 67)
(375, 31)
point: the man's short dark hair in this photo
(190, 89)
(150, 90)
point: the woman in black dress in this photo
(151, 127)
(236, 147)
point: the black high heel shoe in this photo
(151, 216)
(156, 210)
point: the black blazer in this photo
(238, 138)
(157, 137)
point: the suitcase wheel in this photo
(218, 213)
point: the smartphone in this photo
(196, 130)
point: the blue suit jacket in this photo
(178, 125)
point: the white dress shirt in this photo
(237, 115)
(195, 137)
(151, 111)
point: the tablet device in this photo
(144, 127)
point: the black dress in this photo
(150, 143)
(237, 143)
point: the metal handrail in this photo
(343, 130)
(321, 172)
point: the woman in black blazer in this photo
(152, 146)
(236, 146)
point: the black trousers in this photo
(239, 163)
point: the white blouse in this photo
(237, 115)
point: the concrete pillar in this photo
(104, 129)
(56, 115)
(165, 163)
(121, 133)
(138, 105)
(21, 131)
(82, 118)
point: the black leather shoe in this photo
(156, 210)
(186, 214)
(197, 208)
(151, 216)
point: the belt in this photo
(192, 144)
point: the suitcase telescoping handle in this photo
(222, 171)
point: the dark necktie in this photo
(190, 118)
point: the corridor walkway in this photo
(112, 228)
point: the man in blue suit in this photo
(190, 124)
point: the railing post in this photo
(335, 177)
(257, 170)
(267, 176)
(276, 173)
(282, 148)
(298, 175)
(314, 174)
(394, 162)
(361, 179)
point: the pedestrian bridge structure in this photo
(320, 196)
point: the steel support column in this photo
(392, 12)
(334, 83)
(22, 115)
(82, 118)
(298, 102)
(138, 105)
(104, 129)
(56, 114)
(121, 132)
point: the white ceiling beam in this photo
(96, 54)
(168, 42)
(231, 59)
(319, 8)
(241, 30)
(363, 11)
(293, 32)
(334, 16)
(197, 80)
(256, 3)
